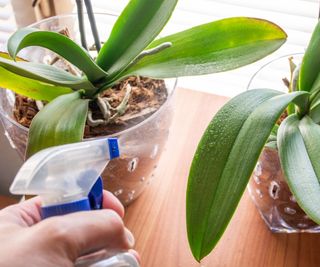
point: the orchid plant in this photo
(234, 139)
(130, 50)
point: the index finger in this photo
(25, 214)
(111, 202)
(28, 213)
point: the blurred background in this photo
(296, 17)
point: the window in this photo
(7, 22)
(296, 17)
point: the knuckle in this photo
(56, 233)
(115, 221)
(55, 229)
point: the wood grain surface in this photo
(157, 218)
(6, 201)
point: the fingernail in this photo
(130, 237)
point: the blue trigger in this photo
(96, 195)
(113, 148)
(92, 202)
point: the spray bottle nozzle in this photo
(67, 177)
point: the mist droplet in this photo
(256, 179)
(290, 211)
(118, 192)
(293, 199)
(302, 225)
(10, 140)
(154, 152)
(131, 195)
(259, 193)
(258, 170)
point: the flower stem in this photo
(93, 24)
(81, 24)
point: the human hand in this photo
(59, 241)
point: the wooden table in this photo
(157, 218)
(6, 201)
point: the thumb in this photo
(85, 232)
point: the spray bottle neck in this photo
(74, 203)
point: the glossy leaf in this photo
(272, 139)
(7, 56)
(45, 73)
(314, 111)
(59, 44)
(299, 162)
(310, 67)
(316, 85)
(137, 26)
(30, 88)
(310, 132)
(62, 121)
(214, 47)
(224, 161)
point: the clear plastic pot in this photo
(267, 186)
(127, 176)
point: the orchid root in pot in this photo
(230, 147)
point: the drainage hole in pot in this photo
(274, 189)
(132, 165)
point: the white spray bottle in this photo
(67, 180)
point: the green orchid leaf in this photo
(310, 132)
(137, 26)
(316, 85)
(214, 47)
(271, 144)
(310, 67)
(30, 88)
(62, 121)
(314, 111)
(59, 44)
(299, 162)
(272, 139)
(224, 161)
(45, 73)
(7, 56)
